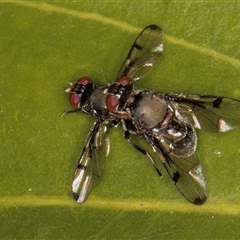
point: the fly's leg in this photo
(70, 111)
(126, 135)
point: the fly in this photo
(167, 121)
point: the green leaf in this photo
(43, 46)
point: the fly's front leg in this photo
(70, 111)
(127, 137)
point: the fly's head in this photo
(80, 92)
(118, 93)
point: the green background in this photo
(45, 46)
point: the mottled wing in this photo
(145, 51)
(208, 112)
(185, 172)
(188, 177)
(91, 164)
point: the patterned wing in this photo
(91, 164)
(145, 51)
(185, 172)
(208, 112)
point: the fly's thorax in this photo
(148, 109)
(96, 102)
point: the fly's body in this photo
(167, 121)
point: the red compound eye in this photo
(74, 100)
(124, 80)
(112, 102)
(85, 80)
